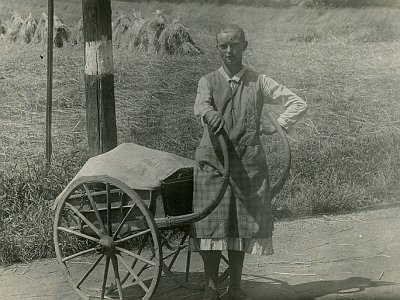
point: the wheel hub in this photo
(107, 244)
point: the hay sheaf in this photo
(189, 49)
(150, 31)
(120, 31)
(124, 30)
(27, 30)
(41, 30)
(76, 36)
(153, 34)
(136, 23)
(14, 27)
(60, 31)
(2, 29)
(175, 39)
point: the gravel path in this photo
(354, 256)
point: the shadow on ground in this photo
(261, 288)
(277, 289)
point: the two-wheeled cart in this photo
(125, 217)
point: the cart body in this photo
(155, 175)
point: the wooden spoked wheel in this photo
(106, 240)
(278, 155)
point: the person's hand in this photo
(214, 121)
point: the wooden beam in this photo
(99, 76)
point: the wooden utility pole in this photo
(99, 76)
(49, 105)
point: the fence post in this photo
(99, 76)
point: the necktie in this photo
(234, 85)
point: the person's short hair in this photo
(231, 28)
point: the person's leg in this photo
(234, 292)
(211, 260)
(236, 259)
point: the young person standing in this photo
(232, 98)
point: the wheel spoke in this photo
(180, 248)
(187, 266)
(90, 270)
(73, 217)
(171, 254)
(141, 283)
(116, 274)
(123, 221)
(136, 256)
(135, 260)
(78, 234)
(225, 259)
(225, 274)
(175, 254)
(142, 269)
(84, 219)
(109, 224)
(94, 206)
(103, 286)
(79, 254)
(178, 281)
(147, 265)
(165, 242)
(132, 236)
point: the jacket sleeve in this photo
(203, 99)
(294, 106)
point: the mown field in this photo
(344, 62)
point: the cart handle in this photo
(222, 138)
(276, 188)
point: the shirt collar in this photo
(235, 77)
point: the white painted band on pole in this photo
(99, 57)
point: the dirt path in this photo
(355, 256)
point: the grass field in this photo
(344, 62)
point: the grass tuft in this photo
(25, 207)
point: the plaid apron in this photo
(245, 210)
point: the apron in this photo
(245, 210)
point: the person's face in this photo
(231, 47)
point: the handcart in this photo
(125, 218)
